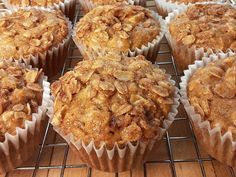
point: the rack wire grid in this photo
(176, 144)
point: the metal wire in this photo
(168, 139)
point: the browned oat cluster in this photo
(117, 28)
(189, 1)
(108, 2)
(20, 96)
(210, 26)
(112, 99)
(30, 32)
(212, 92)
(24, 3)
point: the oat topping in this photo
(24, 3)
(117, 28)
(112, 99)
(20, 96)
(212, 92)
(30, 32)
(189, 1)
(108, 2)
(210, 26)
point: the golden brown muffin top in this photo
(24, 3)
(212, 92)
(210, 26)
(117, 28)
(20, 96)
(30, 32)
(112, 99)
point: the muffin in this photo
(23, 94)
(66, 6)
(201, 28)
(35, 36)
(209, 96)
(121, 29)
(164, 7)
(111, 106)
(88, 5)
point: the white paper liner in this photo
(88, 5)
(52, 60)
(150, 50)
(220, 146)
(19, 147)
(164, 7)
(67, 7)
(185, 55)
(116, 159)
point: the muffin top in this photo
(211, 26)
(24, 3)
(112, 99)
(117, 28)
(20, 96)
(30, 32)
(212, 92)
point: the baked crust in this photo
(20, 96)
(31, 32)
(117, 28)
(212, 92)
(211, 26)
(112, 99)
(24, 3)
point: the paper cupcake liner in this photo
(183, 54)
(19, 147)
(150, 51)
(164, 7)
(220, 146)
(52, 60)
(88, 5)
(116, 158)
(67, 7)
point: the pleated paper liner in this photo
(150, 50)
(88, 5)
(183, 54)
(19, 147)
(220, 146)
(117, 158)
(52, 60)
(67, 7)
(164, 7)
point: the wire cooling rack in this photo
(178, 155)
